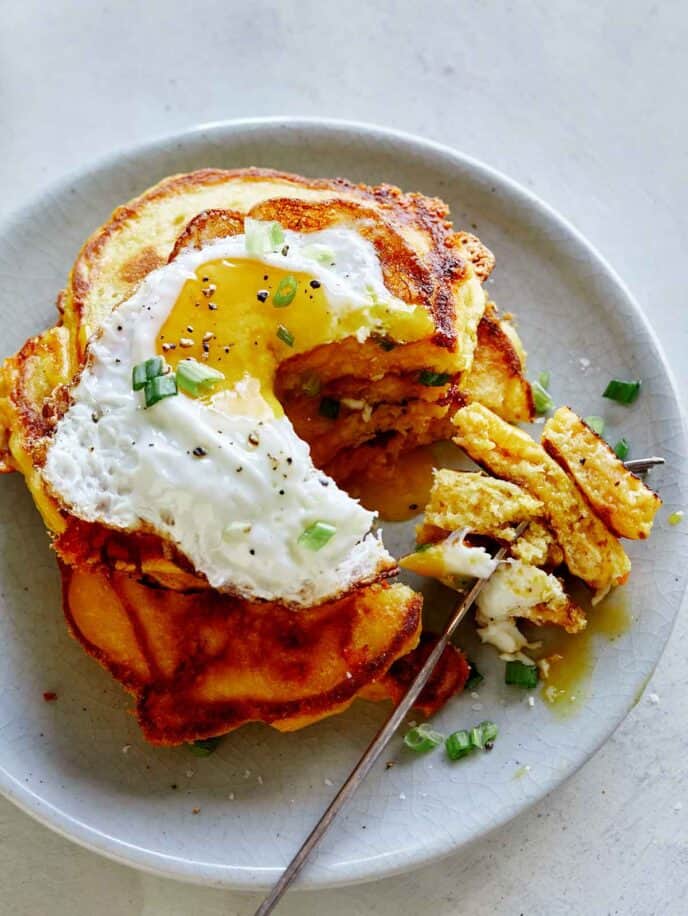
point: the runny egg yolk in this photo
(232, 317)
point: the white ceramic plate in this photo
(80, 766)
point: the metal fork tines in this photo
(642, 465)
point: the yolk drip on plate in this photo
(243, 317)
(571, 656)
(401, 491)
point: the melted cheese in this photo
(513, 588)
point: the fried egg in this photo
(223, 475)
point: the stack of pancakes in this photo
(202, 662)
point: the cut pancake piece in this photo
(480, 504)
(625, 504)
(201, 664)
(497, 375)
(591, 551)
(537, 546)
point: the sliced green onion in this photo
(483, 734)
(433, 379)
(317, 535)
(624, 392)
(329, 407)
(458, 744)
(520, 675)
(421, 548)
(422, 738)
(195, 378)
(541, 398)
(275, 235)
(145, 371)
(320, 253)
(596, 424)
(543, 379)
(162, 386)
(475, 678)
(262, 236)
(676, 517)
(285, 292)
(622, 448)
(310, 385)
(370, 289)
(285, 335)
(205, 746)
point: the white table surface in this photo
(583, 102)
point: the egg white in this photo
(237, 512)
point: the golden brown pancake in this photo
(198, 662)
(201, 663)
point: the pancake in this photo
(591, 551)
(135, 599)
(201, 664)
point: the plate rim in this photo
(255, 878)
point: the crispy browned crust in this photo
(206, 227)
(448, 678)
(497, 376)
(405, 274)
(623, 501)
(481, 258)
(202, 664)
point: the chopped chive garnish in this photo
(433, 379)
(317, 535)
(285, 335)
(541, 398)
(596, 424)
(310, 385)
(475, 678)
(623, 392)
(543, 379)
(458, 744)
(329, 407)
(285, 292)
(483, 735)
(262, 236)
(145, 371)
(622, 448)
(194, 378)
(520, 675)
(205, 746)
(422, 738)
(320, 253)
(676, 517)
(162, 386)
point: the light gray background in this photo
(583, 102)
